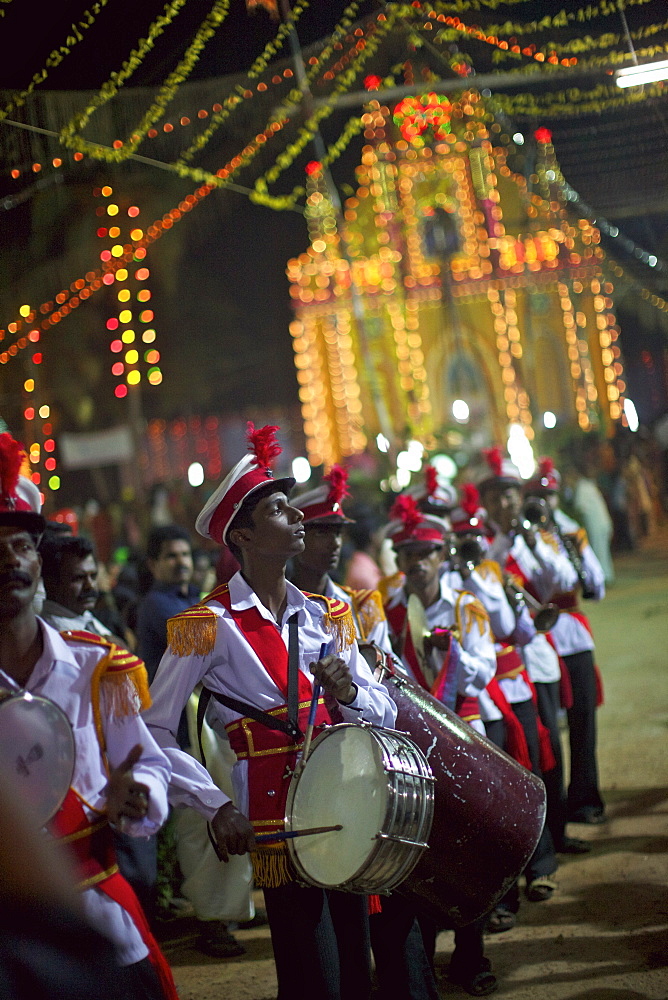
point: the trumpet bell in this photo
(546, 618)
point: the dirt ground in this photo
(604, 934)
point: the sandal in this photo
(501, 919)
(480, 983)
(541, 889)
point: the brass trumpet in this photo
(545, 616)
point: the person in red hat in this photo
(119, 775)
(455, 665)
(401, 965)
(527, 559)
(574, 642)
(324, 524)
(257, 644)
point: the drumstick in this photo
(265, 838)
(312, 710)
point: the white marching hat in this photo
(249, 474)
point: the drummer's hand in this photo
(332, 673)
(125, 796)
(232, 831)
(440, 639)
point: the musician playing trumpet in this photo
(573, 640)
(447, 647)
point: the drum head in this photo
(343, 782)
(36, 752)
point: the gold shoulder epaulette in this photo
(549, 539)
(488, 567)
(192, 632)
(368, 609)
(389, 584)
(338, 619)
(470, 613)
(79, 635)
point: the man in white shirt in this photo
(251, 643)
(119, 775)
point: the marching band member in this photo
(534, 564)
(120, 776)
(256, 643)
(573, 641)
(457, 663)
(402, 969)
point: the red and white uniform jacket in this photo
(100, 692)
(461, 674)
(233, 645)
(572, 633)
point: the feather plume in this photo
(10, 464)
(431, 480)
(470, 499)
(337, 477)
(494, 458)
(545, 466)
(405, 509)
(263, 444)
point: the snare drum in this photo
(36, 751)
(378, 785)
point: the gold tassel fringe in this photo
(469, 614)
(126, 692)
(271, 868)
(369, 612)
(342, 628)
(192, 633)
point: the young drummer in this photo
(243, 644)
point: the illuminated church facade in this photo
(447, 278)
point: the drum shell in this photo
(489, 811)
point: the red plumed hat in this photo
(408, 524)
(20, 502)
(500, 470)
(324, 503)
(469, 517)
(249, 474)
(546, 479)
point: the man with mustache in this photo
(69, 572)
(119, 775)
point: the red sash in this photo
(91, 847)
(568, 604)
(516, 741)
(509, 663)
(266, 642)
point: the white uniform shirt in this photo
(569, 634)
(474, 658)
(63, 674)
(232, 668)
(548, 570)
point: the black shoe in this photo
(594, 815)
(572, 845)
(215, 940)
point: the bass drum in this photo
(489, 811)
(36, 752)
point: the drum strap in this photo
(289, 728)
